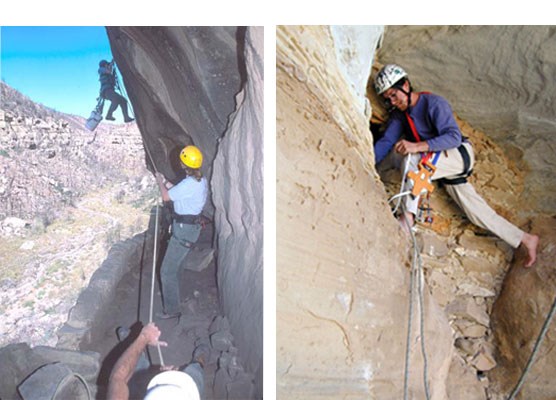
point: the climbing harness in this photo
(416, 279)
(467, 170)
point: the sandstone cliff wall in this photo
(342, 267)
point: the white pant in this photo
(449, 165)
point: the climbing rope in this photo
(155, 252)
(402, 187)
(416, 274)
(540, 338)
(124, 93)
(153, 280)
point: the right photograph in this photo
(416, 212)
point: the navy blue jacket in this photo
(107, 79)
(435, 123)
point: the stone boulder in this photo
(18, 362)
(517, 319)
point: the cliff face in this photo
(342, 277)
(204, 85)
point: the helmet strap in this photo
(408, 94)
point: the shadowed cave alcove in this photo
(186, 85)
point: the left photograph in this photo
(131, 212)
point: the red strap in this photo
(413, 128)
(412, 124)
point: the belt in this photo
(187, 219)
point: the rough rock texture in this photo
(499, 79)
(95, 298)
(238, 193)
(518, 319)
(48, 159)
(19, 361)
(181, 82)
(342, 288)
(184, 84)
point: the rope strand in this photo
(153, 280)
(540, 338)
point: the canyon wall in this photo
(341, 280)
(204, 85)
(342, 267)
(239, 213)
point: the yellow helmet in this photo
(192, 157)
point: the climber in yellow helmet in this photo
(189, 197)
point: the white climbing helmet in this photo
(387, 77)
(171, 385)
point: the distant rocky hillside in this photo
(64, 201)
(48, 159)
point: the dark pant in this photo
(116, 100)
(183, 236)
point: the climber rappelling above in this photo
(108, 82)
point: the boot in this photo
(109, 117)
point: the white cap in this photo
(170, 385)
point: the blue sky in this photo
(55, 65)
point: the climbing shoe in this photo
(110, 118)
(201, 354)
(163, 315)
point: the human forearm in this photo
(405, 147)
(124, 368)
(162, 182)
